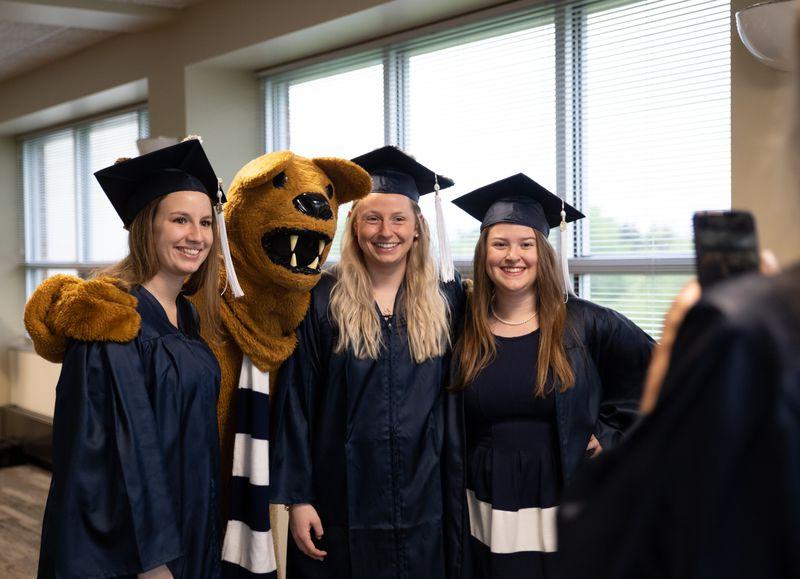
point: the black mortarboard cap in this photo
(131, 184)
(392, 171)
(517, 199)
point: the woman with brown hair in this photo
(545, 381)
(135, 447)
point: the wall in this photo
(12, 282)
(33, 381)
(764, 167)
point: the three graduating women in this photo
(135, 447)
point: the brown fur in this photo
(66, 307)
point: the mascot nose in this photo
(314, 205)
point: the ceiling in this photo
(36, 32)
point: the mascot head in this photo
(281, 214)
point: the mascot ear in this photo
(262, 169)
(350, 181)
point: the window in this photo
(620, 106)
(70, 227)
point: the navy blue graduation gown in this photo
(136, 454)
(360, 440)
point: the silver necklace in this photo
(502, 321)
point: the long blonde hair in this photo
(141, 264)
(476, 347)
(422, 304)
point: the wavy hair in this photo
(141, 265)
(476, 347)
(422, 304)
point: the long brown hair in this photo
(141, 264)
(476, 347)
(423, 304)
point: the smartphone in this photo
(725, 244)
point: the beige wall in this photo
(33, 381)
(197, 76)
(764, 170)
(12, 282)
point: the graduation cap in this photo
(517, 199)
(133, 183)
(521, 200)
(393, 171)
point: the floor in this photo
(23, 491)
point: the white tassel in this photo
(446, 267)
(226, 249)
(568, 291)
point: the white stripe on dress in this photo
(251, 378)
(530, 529)
(252, 550)
(251, 459)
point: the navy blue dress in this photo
(360, 439)
(136, 454)
(513, 475)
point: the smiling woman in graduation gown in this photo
(358, 439)
(135, 446)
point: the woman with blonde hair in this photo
(545, 381)
(135, 450)
(358, 414)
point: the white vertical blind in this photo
(480, 111)
(106, 141)
(656, 105)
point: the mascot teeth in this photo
(299, 250)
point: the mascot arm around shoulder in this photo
(281, 218)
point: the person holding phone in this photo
(135, 486)
(715, 462)
(545, 381)
(358, 417)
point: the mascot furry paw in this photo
(281, 219)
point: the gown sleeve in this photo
(621, 352)
(291, 468)
(110, 510)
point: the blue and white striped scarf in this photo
(248, 550)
